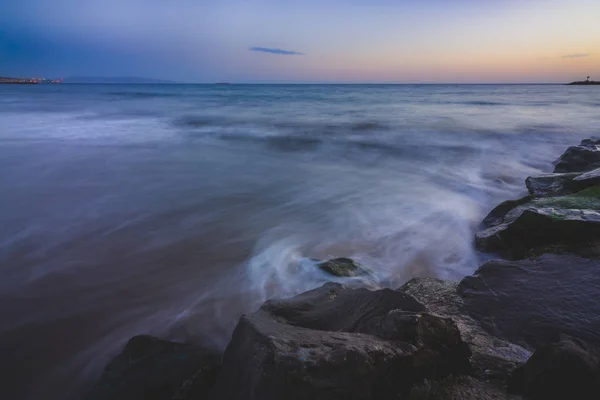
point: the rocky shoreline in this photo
(523, 327)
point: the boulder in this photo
(336, 342)
(493, 359)
(587, 179)
(342, 267)
(552, 184)
(153, 369)
(460, 388)
(594, 141)
(561, 184)
(566, 369)
(580, 158)
(571, 222)
(531, 302)
(497, 215)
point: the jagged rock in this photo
(580, 158)
(530, 302)
(153, 369)
(460, 388)
(336, 342)
(496, 216)
(493, 359)
(552, 184)
(334, 307)
(342, 267)
(566, 369)
(594, 141)
(571, 221)
(590, 178)
(561, 184)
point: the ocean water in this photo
(173, 209)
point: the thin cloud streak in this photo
(576, 55)
(276, 51)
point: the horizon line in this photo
(314, 83)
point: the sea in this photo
(172, 210)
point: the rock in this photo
(336, 342)
(594, 141)
(590, 178)
(493, 359)
(155, 369)
(342, 267)
(334, 307)
(572, 222)
(561, 184)
(530, 302)
(460, 388)
(552, 184)
(496, 216)
(566, 369)
(580, 158)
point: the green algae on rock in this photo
(587, 199)
(342, 267)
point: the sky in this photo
(308, 41)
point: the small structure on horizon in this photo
(586, 82)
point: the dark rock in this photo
(579, 158)
(154, 369)
(334, 307)
(496, 216)
(590, 178)
(492, 358)
(562, 184)
(460, 388)
(571, 221)
(339, 343)
(531, 302)
(552, 184)
(566, 369)
(342, 267)
(594, 141)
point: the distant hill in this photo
(113, 79)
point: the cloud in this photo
(576, 55)
(276, 51)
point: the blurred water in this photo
(172, 209)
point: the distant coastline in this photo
(588, 81)
(584, 83)
(115, 80)
(27, 81)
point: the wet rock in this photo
(589, 178)
(594, 141)
(460, 388)
(580, 158)
(530, 302)
(493, 359)
(153, 369)
(497, 215)
(335, 307)
(571, 221)
(342, 267)
(552, 184)
(339, 343)
(561, 184)
(566, 369)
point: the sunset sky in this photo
(402, 41)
